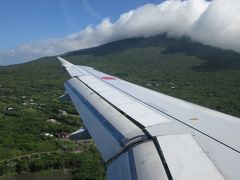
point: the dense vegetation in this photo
(29, 98)
(78, 165)
(29, 92)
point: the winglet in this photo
(71, 68)
(65, 63)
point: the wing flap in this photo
(140, 162)
(186, 159)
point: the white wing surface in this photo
(142, 134)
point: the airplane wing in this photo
(143, 134)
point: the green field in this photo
(29, 98)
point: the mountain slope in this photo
(214, 58)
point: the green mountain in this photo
(28, 98)
(214, 58)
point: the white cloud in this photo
(219, 25)
(215, 23)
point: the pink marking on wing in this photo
(108, 78)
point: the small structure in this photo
(64, 135)
(48, 135)
(63, 112)
(152, 84)
(54, 121)
(10, 108)
(24, 104)
(148, 85)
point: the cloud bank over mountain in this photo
(215, 23)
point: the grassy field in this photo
(29, 98)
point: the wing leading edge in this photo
(139, 137)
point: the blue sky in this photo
(27, 21)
